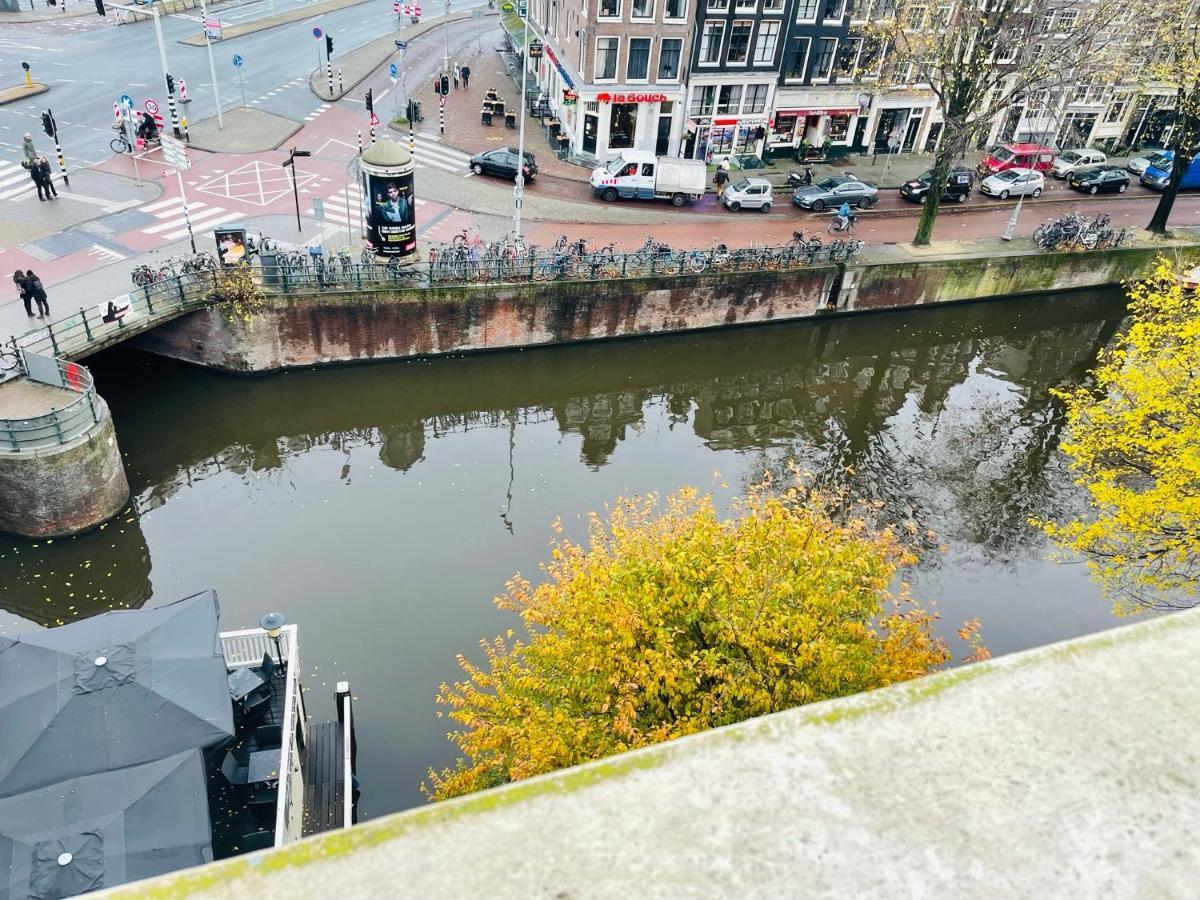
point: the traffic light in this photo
(445, 85)
(370, 100)
(328, 42)
(170, 83)
(100, 8)
(48, 124)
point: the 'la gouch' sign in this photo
(632, 98)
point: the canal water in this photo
(381, 507)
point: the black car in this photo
(1101, 178)
(503, 162)
(958, 186)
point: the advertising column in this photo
(389, 201)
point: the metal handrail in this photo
(59, 425)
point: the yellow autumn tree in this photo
(1133, 438)
(673, 620)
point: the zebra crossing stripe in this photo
(14, 181)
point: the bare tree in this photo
(981, 58)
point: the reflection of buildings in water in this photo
(402, 446)
(601, 420)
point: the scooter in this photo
(795, 179)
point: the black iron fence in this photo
(59, 425)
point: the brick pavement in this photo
(246, 131)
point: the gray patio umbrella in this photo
(98, 831)
(112, 691)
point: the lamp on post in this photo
(291, 161)
(272, 623)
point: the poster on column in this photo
(390, 213)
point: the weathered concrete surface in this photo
(1068, 771)
(21, 398)
(66, 489)
(307, 330)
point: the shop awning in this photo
(834, 111)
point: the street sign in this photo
(522, 8)
(174, 153)
(318, 209)
(126, 100)
(374, 119)
(401, 45)
(237, 59)
(393, 71)
(212, 28)
(317, 32)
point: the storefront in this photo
(903, 122)
(726, 118)
(810, 118)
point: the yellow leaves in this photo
(674, 620)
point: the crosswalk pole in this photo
(372, 135)
(329, 65)
(412, 141)
(340, 88)
(174, 115)
(360, 143)
(442, 115)
(62, 162)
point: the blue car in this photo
(1156, 178)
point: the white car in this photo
(1144, 160)
(749, 193)
(1070, 160)
(1014, 182)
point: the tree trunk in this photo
(1183, 143)
(942, 161)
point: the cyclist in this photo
(147, 129)
(844, 219)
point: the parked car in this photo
(835, 191)
(503, 162)
(1014, 182)
(1098, 179)
(640, 175)
(959, 182)
(749, 193)
(1157, 179)
(1070, 160)
(1147, 158)
(1036, 157)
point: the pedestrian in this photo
(43, 165)
(23, 290)
(457, 75)
(39, 179)
(38, 293)
(29, 150)
(719, 179)
(466, 77)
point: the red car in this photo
(1013, 156)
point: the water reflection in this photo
(383, 506)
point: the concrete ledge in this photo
(21, 91)
(1067, 771)
(247, 130)
(268, 22)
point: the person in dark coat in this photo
(466, 76)
(43, 165)
(38, 293)
(23, 290)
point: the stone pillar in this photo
(65, 489)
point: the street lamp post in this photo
(519, 182)
(1010, 229)
(290, 162)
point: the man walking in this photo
(466, 77)
(457, 74)
(719, 179)
(28, 149)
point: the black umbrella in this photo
(112, 691)
(98, 831)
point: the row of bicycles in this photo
(469, 259)
(196, 263)
(1074, 232)
(340, 267)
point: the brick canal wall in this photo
(305, 330)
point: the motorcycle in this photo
(796, 179)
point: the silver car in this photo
(834, 191)
(1147, 158)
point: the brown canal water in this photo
(383, 506)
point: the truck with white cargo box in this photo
(640, 175)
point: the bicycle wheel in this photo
(117, 145)
(697, 261)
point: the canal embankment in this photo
(309, 326)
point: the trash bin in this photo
(510, 120)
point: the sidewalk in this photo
(41, 11)
(92, 195)
(246, 130)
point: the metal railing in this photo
(90, 328)
(59, 425)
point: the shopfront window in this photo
(639, 59)
(668, 59)
(756, 98)
(739, 43)
(785, 128)
(606, 58)
(795, 62)
(729, 99)
(839, 128)
(703, 100)
(622, 124)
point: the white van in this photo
(640, 175)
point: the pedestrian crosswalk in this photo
(172, 224)
(14, 180)
(345, 207)
(433, 155)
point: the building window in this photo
(668, 59)
(795, 65)
(703, 100)
(739, 43)
(764, 45)
(847, 57)
(745, 6)
(729, 99)
(869, 59)
(718, 5)
(917, 13)
(1117, 109)
(772, 6)
(638, 68)
(675, 9)
(609, 9)
(756, 98)
(606, 58)
(834, 9)
(806, 10)
(642, 9)
(823, 66)
(710, 43)
(839, 128)
(1066, 20)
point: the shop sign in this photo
(755, 120)
(535, 49)
(631, 98)
(570, 97)
(847, 111)
(561, 69)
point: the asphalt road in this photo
(89, 62)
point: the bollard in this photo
(372, 135)
(183, 97)
(187, 137)
(341, 90)
(360, 143)
(329, 66)
(442, 114)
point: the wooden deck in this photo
(324, 778)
